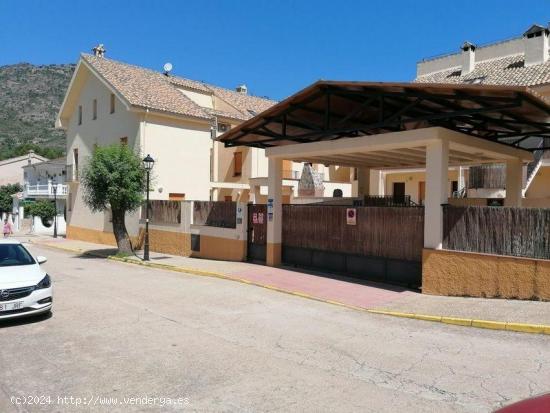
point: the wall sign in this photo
(351, 216)
(270, 209)
(239, 214)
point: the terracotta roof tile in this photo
(145, 88)
(509, 70)
(149, 89)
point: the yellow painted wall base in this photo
(221, 249)
(457, 273)
(168, 242)
(179, 243)
(90, 235)
(273, 254)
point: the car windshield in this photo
(14, 254)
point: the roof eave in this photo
(169, 114)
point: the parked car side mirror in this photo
(41, 260)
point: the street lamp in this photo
(54, 189)
(148, 163)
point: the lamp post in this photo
(54, 189)
(148, 163)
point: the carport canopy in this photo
(396, 125)
(330, 110)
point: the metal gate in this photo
(257, 232)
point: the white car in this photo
(25, 289)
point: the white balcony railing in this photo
(46, 190)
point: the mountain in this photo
(30, 97)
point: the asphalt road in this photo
(121, 335)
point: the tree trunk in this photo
(121, 235)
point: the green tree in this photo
(9, 149)
(114, 178)
(6, 191)
(43, 209)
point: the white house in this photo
(10, 169)
(520, 61)
(42, 181)
(175, 120)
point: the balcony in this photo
(45, 191)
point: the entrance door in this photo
(399, 192)
(421, 192)
(257, 232)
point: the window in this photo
(228, 198)
(124, 140)
(112, 103)
(94, 109)
(223, 127)
(176, 196)
(14, 254)
(80, 115)
(75, 164)
(454, 187)
(237, 163)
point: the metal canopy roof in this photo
(327, 110)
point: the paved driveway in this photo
(121, 333)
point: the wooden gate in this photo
(257, 232)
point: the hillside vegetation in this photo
(30, 97)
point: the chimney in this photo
(468, 58)
(535, 41)
(30, 155)
(99, 50)
(242, 89)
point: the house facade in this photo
(521, 61)
(176, 121)
(10, 169)
(42, 181)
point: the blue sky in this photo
(275, 47)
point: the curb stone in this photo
(464, 322)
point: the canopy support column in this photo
(437, 166)
(514, 182)
(377, 182)
(363, 182)
(274, 212)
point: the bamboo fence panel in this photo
(487, 176)
(220, 214)
(390, 232)
(519, 232)
(163, 212)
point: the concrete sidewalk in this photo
(374, 297)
